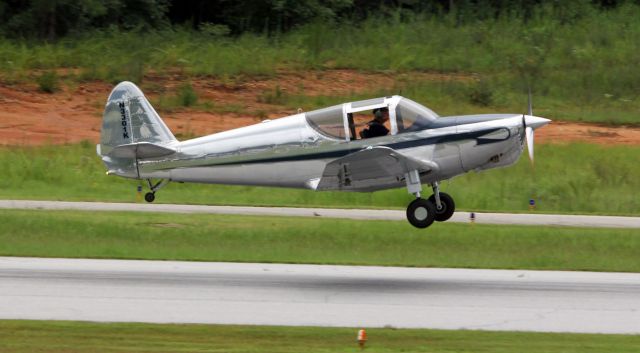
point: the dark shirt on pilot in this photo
(375, 129)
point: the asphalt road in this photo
(397, 215)
(275, 294)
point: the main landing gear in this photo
(151, 195)
(422, 212)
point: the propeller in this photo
(528, 130)
(529, 135)
(530, 123)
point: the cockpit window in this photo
(328, 121)
(412, 116)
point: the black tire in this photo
(421, 213)
(149, 197)
(448, 207)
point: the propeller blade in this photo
(530, 104)
(529, 134)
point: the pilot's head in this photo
(381, 114)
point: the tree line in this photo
(52, 19)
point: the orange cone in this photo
(362, 338)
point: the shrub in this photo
(48, 82)
(187, 96)
(481, 94)
(275, 96)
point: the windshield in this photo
(412, 116)
(328, 121)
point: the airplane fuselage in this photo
(287, 152)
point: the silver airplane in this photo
(343, 147)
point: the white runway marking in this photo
(273, 294)
(395, 215)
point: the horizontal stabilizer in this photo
(140, 150)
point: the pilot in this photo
(376, 126)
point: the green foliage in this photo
(184, 96)
(261, 16)
(275, 96)
(481, 94)
(313, 240)
(214, 30)
(48, 82)
(50, 19)
(187, 95)
(577, 178)
(79, 337)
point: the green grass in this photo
(77, 337)
(313, 240)
(577, 178)
(575, 72)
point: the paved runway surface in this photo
(273, 294)
(397, 215)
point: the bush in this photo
(275, 96)
(481, 94)
(187, 96)
(48, 82)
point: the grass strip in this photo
(576, 178)
(71, 337)
(311, 240)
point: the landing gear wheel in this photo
(149, 197)
(447, 209)
(421, 213)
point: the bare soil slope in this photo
(30, 117)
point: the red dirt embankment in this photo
(29, 117)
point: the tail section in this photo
(131, 130)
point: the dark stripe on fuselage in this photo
(341, 153)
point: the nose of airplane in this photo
(535, 122)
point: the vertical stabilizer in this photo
(129, 120)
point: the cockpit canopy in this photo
(328, 121)
(338, 122)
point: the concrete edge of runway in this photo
(315, 270)
(358, 214)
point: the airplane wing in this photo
(370, 169)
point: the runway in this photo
(276, 294)
(394, 215)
